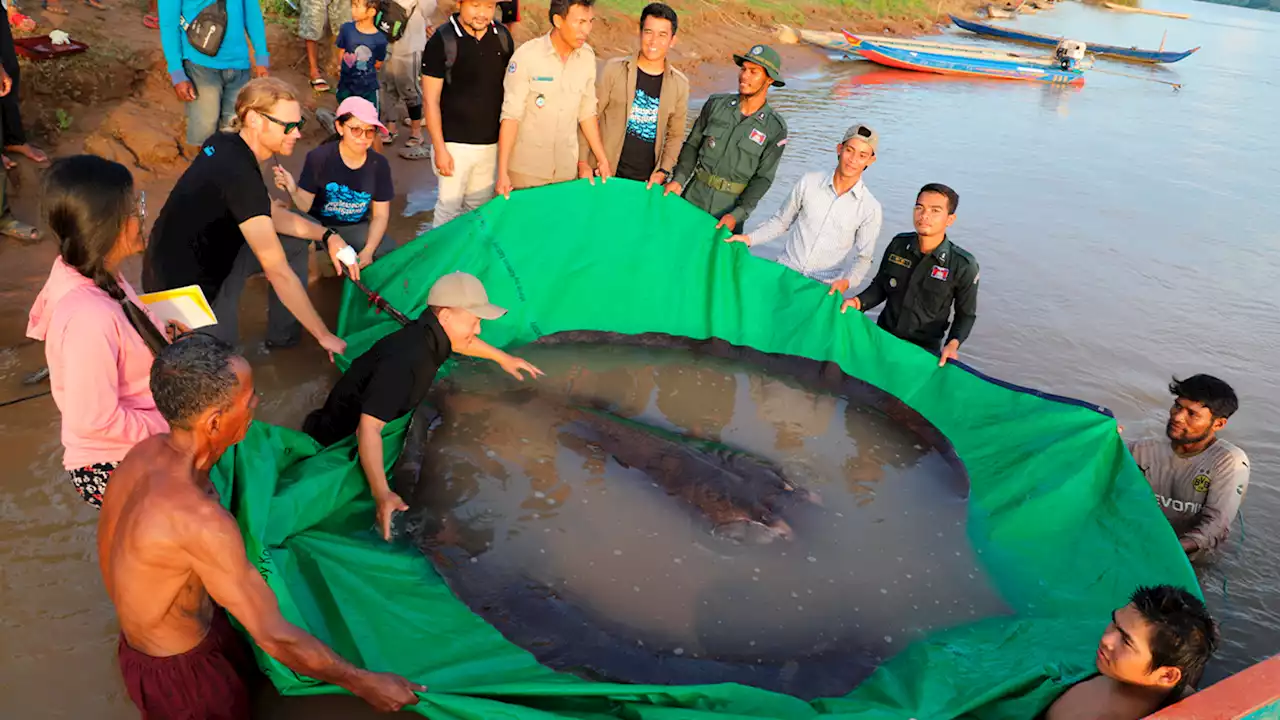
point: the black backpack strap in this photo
(449, 36)
(504, 37)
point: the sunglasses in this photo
(360, 132)
(288, 126)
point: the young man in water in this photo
(393, 378)
(922, 276)
(731, 155)
(1198, 478)
(172, 557)
(643, 102)
(831, 219)
(1155, 648)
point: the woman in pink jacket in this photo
(99, 341)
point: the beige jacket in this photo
(615, 91)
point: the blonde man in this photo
(219, 226)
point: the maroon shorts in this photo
(211, 681)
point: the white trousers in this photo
(475, 173)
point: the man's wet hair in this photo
(953, 197)
(662, 11)
(1209, 391)
(561, 8)
(190, 376)
(1182, 633)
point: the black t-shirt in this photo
(388, 381)
(344, 196)
(471, 102)
(197, 236)
(637, 160)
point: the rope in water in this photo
(1174, 85)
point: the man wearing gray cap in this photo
(394, 375)
(831, 219)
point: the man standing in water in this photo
(1153, 651)
(172, 557)
(219, 227)
(729, 159)
(1198, 478)
(393, 378)
(832, 220)
(548, 95)
(922, 275)
(644, 101)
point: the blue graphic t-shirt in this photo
(638, 153)
(344, 196)
(360, 53)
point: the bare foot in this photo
(55, 8)
(8, 163)
(33, 153)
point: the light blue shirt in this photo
(832, 237)
(244, 26)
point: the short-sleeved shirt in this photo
(344, 196)
(636, 160)
(388, 381)
(471, 102)
(360, 52)
(549, 97)
(197, 236)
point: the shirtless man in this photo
(1154, 649)
(172, 558)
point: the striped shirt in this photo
(831, 237)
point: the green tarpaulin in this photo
(1063, 518)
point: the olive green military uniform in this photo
(728, 161)
(921, 289)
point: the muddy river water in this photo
(1126, 233)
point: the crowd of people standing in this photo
(147, 408)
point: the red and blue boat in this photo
(1131, 54)
(1062, 68)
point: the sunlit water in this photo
(883, 560)
(1126, 233)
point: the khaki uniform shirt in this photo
(549, 98)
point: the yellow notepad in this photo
(186, 305)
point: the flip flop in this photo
(320, 85)
(95, 5)
(15, 228)
(151, 21)
(9, 164)
(420, 151)
(34, 154)
(54, 9)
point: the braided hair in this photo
(87, 201)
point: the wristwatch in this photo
(666, 175)
(323, 242)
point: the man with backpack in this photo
(208, 68)
(406, 23)
(463, 67)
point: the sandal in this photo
(421, 151)
(15, 228)
(413, 141)
(319, 85)
(54, 9)
(95, 5)
(388, 138)
(151, 21)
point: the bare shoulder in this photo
(1099, 698)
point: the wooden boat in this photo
(825, 40)
(1251, 694)
(1112, 51)
(1144, 11)
(963, 60)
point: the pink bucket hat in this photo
(362, 110)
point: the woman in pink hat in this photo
(344, 184)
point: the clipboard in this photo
(186, 305)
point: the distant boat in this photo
(1001, 13)
(1144, 11)
(1111, 51)
(964, 60)
(823, 39)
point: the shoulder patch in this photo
(511, 68)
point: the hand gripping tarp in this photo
(1064, 519)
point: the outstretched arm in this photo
(478, 348)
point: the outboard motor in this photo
(1069, 53)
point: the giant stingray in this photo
(741, 501)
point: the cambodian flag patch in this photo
(939, 273)
(758, 137)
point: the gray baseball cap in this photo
(863, 133)
(465, 292)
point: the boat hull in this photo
(1110, 51)
(950, 64)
